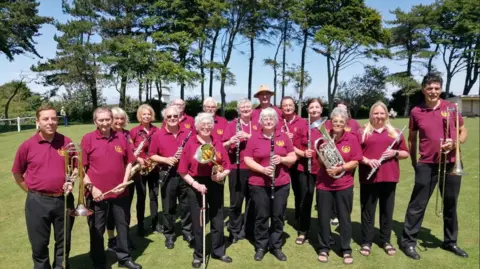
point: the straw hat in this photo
(262, 89)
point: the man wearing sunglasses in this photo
(185, 121)
(220, 123)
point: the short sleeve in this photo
(288, 144)
(403, 144)
(248, 152)
(20, 161)
(185, 160)
(357, 150)
(85, 145)
(154, 148)
(225, 160)
(129, 148)
(412, 124)
(228, 132)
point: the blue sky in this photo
(315, 64)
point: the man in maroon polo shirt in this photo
(264, 94)
(185, 120)
(428, 120)
(220, 123)
(39, 170)
(108, 158)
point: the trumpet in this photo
(443, 159)
(325, 147)
(206, 154)
(73, 152)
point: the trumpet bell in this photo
(81, 211)
(458, 170)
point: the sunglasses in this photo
(172, 116)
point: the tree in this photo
(300, 79)
(10, 90)
(350, 31)
(19, 24)
(364, 90)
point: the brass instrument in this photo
(149, 165)
(443, 159)
(71, 153)
(206, 154)
(325, 147)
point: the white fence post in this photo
(18, 124)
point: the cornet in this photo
(206, 154)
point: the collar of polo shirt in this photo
(40, 140)
(98, 135)
(424, 106)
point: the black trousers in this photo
(238, 185)
(294, 173)
(267, 210)
(344, 202)
(97, 223)
(41, 213)
(110, 220)
(174, 188)
(426, 178)
(370, 194)
(214, 201)
(305, 192)
(141, 185)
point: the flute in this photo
(389, 148)
(309, 145)
(272, 152)
(239, 128)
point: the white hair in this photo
(244, 101)
(339, 112)
(266, 113)
(118, 112)
(168, 108)
(209, 100)
(203, 116)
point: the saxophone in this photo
(149, 164)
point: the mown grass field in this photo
(15, 249)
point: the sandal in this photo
(389, 249)
(300, 240)
(347, 256)
(323, 257)
(365, 250)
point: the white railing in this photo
(22, 120)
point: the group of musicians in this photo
(263, 152)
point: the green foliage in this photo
(19, 24)
(24, 102)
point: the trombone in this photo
(443, 158)
(72, 153)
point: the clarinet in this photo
(239, 128)
(272, 152)
(164, 175)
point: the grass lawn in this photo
(15, 249)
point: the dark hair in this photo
(287, 98)
(44, 108)
(340, 102)
(313, 100)
(432, 78)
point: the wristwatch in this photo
(89, 186)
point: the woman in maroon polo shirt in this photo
(306, 178)
(145, 116)
(236, 135)
(339, 190)
(377, 136)
(199, 176)
(265, 164)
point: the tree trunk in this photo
(93, 93)
(183, 64)
(212, 57)
(15, 91)
(140, 91)
(407, 92)
(158, 85)
(473, 68)
(284, 57)
(202, 69)
(302, 73)
(275, 72)
(430, 59)
(250, 65)
(123, 89)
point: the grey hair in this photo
(172, 107)
(209, 100)
(117, 111)
(242, 102)
(202, 117)
(339, 112)
(268, 112)
(103, 109)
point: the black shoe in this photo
(279, 254)
(224, 258)
(196, 263)
(130, 265)
(259, 254)
(234, 239)
(189, 239)
(455, 250)
(112, 244)
(169, 243)
(157, 228)
(411, 252)
(140, 229)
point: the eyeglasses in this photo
(172, 116)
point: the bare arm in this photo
(412, 146)
(289, 160)
(20, 180)
(463, 134)
(253, 165)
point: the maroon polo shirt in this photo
(431, 125)
(186, 122)
(256, 113)
(300, 141)
(294, 125)
(350, 150)
(189, 165)
(137, 139)
(352, 126)
(220, 124)
(230, 131)
(166, 144)
(42, 163)
(105, 160)
(372, 148)
(258, 148)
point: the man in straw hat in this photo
(264, 94)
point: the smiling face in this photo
(315, 110)
(264, 98)
(118, 122)
(205, 128)
(245, 110)
(338, 123)
(103, 121)
(210, 107)
(172, 117)
(432, 92)
(378, 116)
(146, 116)
(288, 107)
(47, 122)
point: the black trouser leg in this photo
(58, 223)
(426, 176)
(214, 199)
(110, 220)
(368, 205)
(294, 173)
(344, 200)
(96, 224)
(450, 201)
(141, 187)
(238, 184)
(306, 188)
(334, 214)
(169, 204)
(249, 215)
(120, 207)
(184, 207)
(324, 208)
(153, 188)
(387, 204)
(279, 205)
